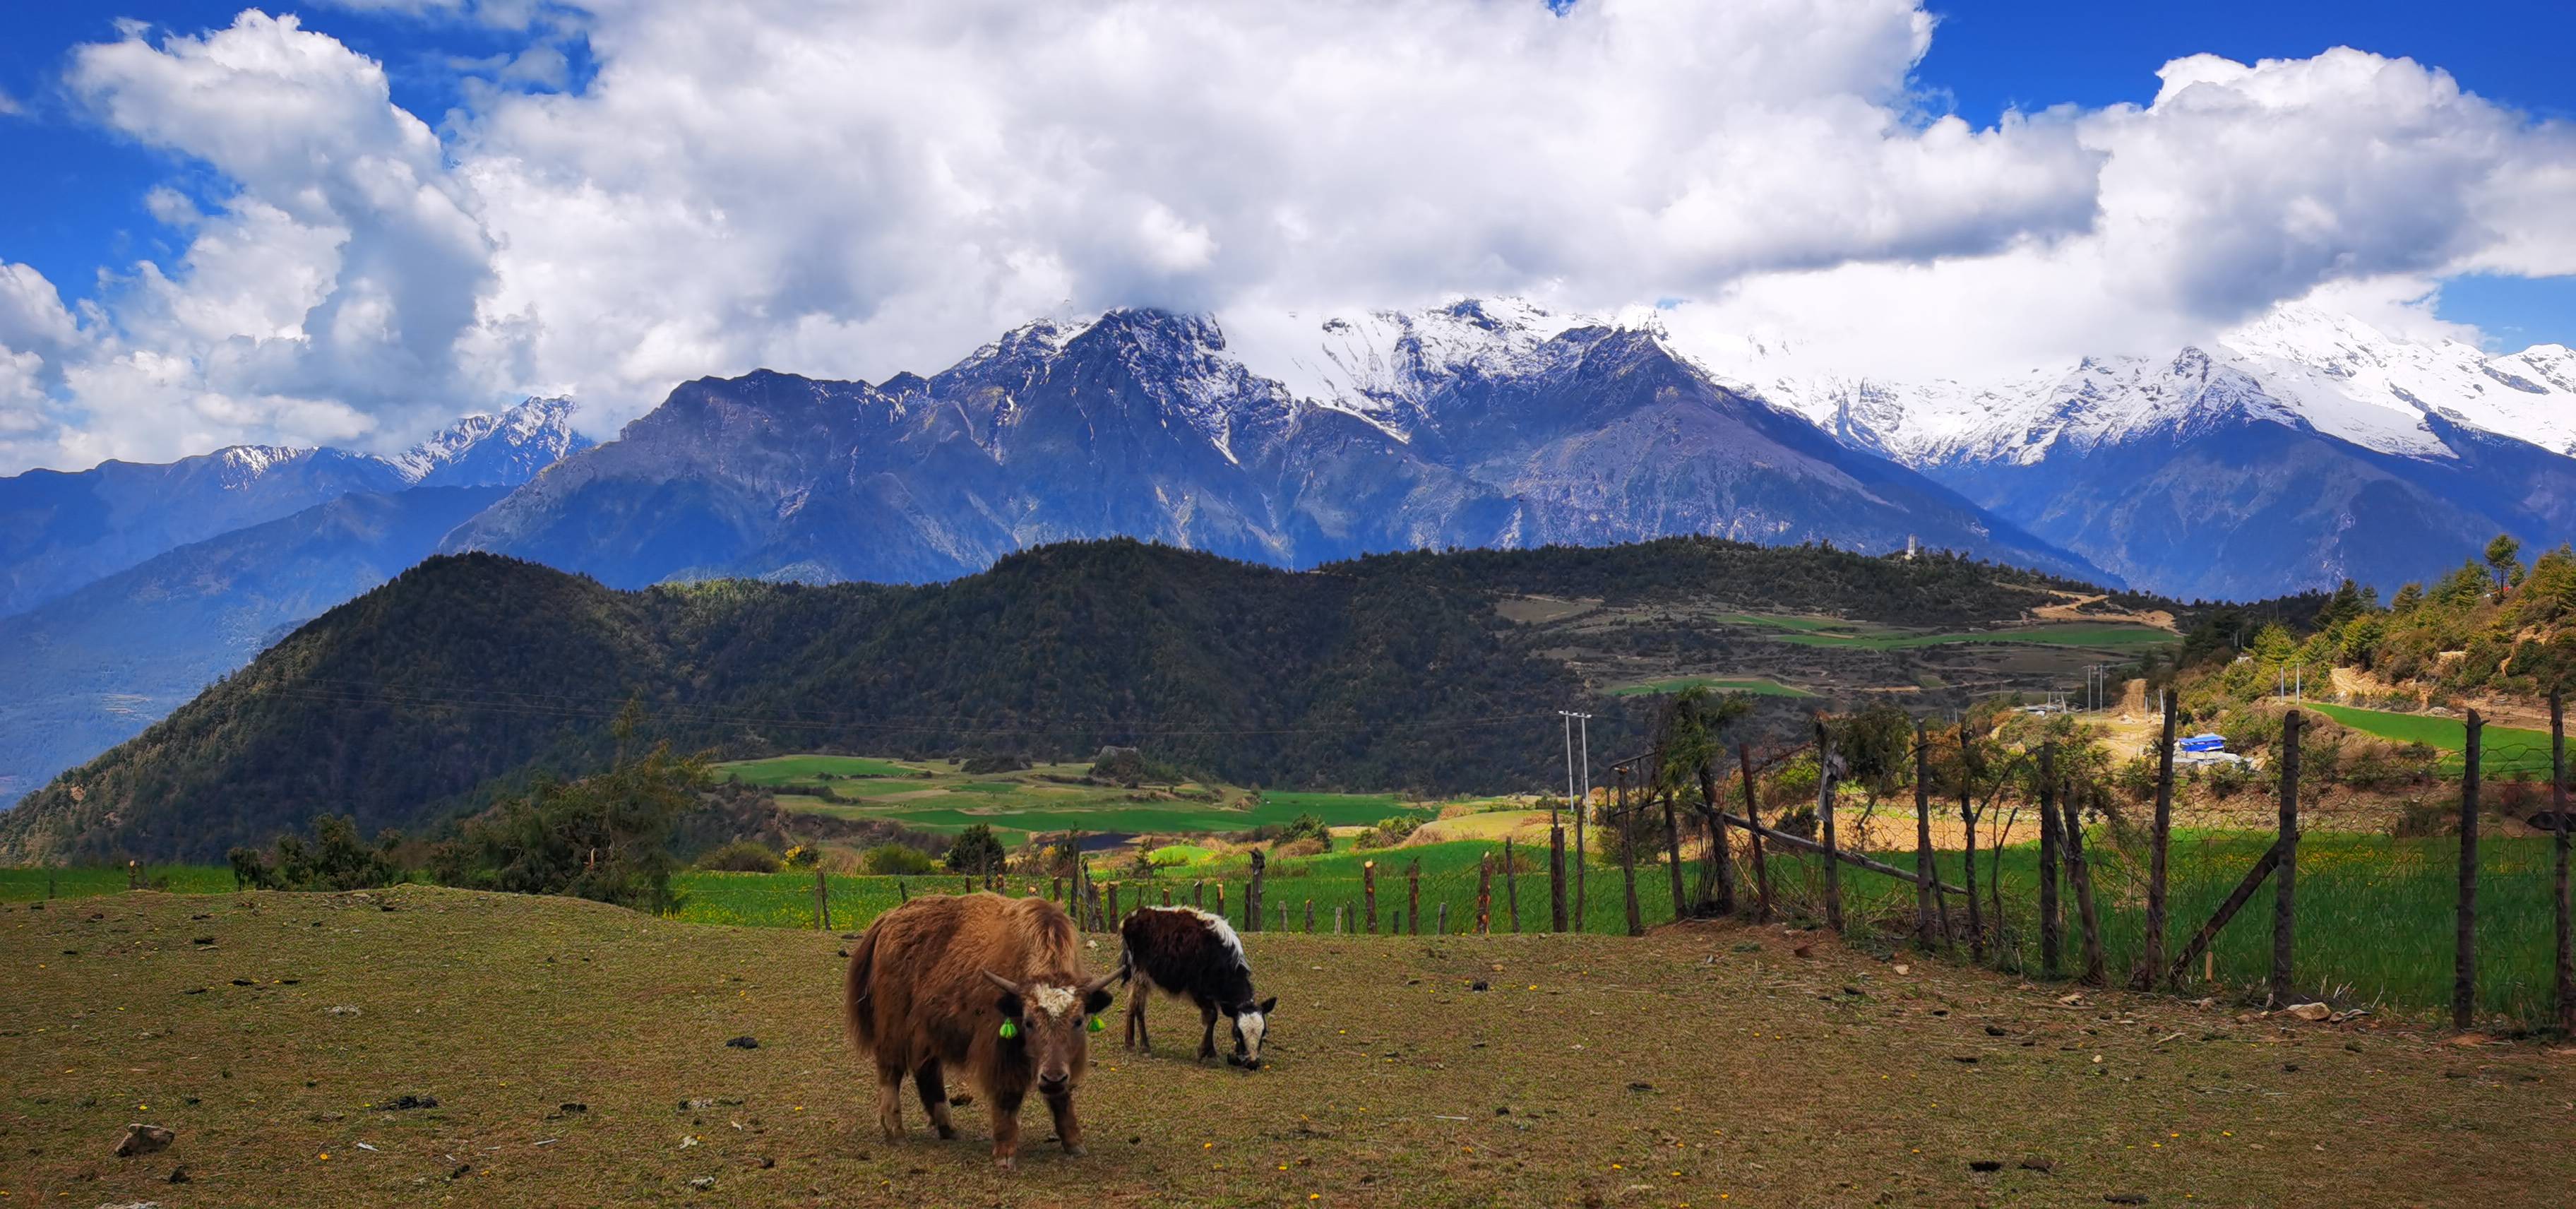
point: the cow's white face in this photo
(1251, 1026)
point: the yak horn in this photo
(999, 981)
(1102, 982)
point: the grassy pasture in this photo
(1834, 632)
(935, 796)
(1757, 686)
(2506, 750)
(564, 1041)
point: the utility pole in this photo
(1582, 871)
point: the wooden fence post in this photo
(1252, 893)
(901, 895)
(1413, 894)
(1485, 895)
(1626, 825)
(1167, 894)
(2285, 879)
(2079, 876)
(2050, 943)
(1825, 821)
(1968, 819)
(1556, 874)
(1368, 890)
(2464, 968)
(1673, 852)
(1339, 910)
(1442, 927)
(1198, 893)
(2151, 961)
(1753, 815)
(1114, 920)
(822, 902)
(1721, 854)
(1220, 900)
(1512, 885)
(2566, 908)
(1281, 915)
(1310, 917)
(1923, 875)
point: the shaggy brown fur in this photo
(929, 987)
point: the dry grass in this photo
(1701, 1066)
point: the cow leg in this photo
(1067, 1129)
(890, 1099)
(933, 1085)
(1006, 1129)
(1207, 1038)
(1137, 1036)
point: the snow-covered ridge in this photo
(2298, 366)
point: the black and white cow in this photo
(1189, 954)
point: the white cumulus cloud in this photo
(853, 188)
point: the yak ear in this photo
(1268, 1004)
(1095, 994)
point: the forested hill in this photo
(469, 673)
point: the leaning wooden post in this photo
(2285, 879)
(2151, 962)
(1310, 917)
(2079, 875)
(901, 895)
(1198, 893)
(2464, 968)
(1924, 896)
(2049, 941)
(1413, 895)
(1512, 885)
(1825, 820)
(1721, 854)
(1556, 873)
(2566, 907)
(1220, 900)
(1753, 815)
(1968, 819)
(1252, 893)
(2236, 900)
(1368, 890)
(1673, 853)
(1628, 852)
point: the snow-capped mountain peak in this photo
(488, 450)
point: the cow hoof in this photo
(1076, 1150)
(1004, 1163)
(947, 1132)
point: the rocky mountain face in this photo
(59, 530)
(1476, 425)
(2301, 450)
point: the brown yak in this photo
(933, 985)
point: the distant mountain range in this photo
(1144, 424)
(2299, 451)
(2291, 454)
(220, 555)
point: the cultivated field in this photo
(935, 795)
(2504, 750)
(578, 1055)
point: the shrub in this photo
(1307, 827)
(335, 860)
(741, 856)
(1389, 832)
(894, 860)
(605, 837)
(976, 851)
(802, 856)
(2421, 819)
(1800, 821)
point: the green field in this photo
(935, 796)
(781, 770)
(36, 885)
(1756, 686)
(2505, 750)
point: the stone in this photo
(144, 1139)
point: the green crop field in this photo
(1831, 632)
(1756, 686)
(936, 797)
(2506, 750)
(35, 885)
(781, 770)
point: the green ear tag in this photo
(1096, 1025)
(1010, 1029)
